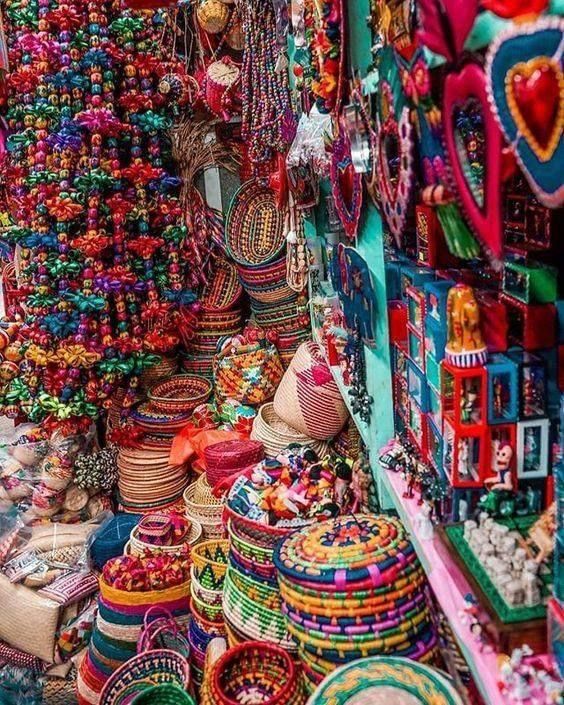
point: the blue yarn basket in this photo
(111, 540)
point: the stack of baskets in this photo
(119, 622)
(209, 564)
(256, 240)
(253, 673)
(147, 481)
(211, 327)
(353, 587)
(276, 435)
(171, 403)
(167, 366)
(220, 317)
(204, 508)
(252, 604)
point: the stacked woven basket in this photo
(229, 458)
(256, 240)
(220, 317)
(252, 604)
(117, 629)
(353, 587)
(209, 565)
(147, 480)
(276, 435)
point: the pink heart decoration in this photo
(486, 219)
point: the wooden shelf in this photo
(449, 586)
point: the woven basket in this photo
(209, 563)
(224, 290)
(308, 397)
(165, 694)
(136, 547)
(250, 375)
(142, 671)
(276, 434)
(203, 507)
(110, 541)
(254, 229)
(60, 691)
(180, 394)
(162, 370)
(255, 672)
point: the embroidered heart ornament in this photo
(525, 84)
(481, 205)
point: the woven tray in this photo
(254, 230)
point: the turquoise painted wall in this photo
(370, 245)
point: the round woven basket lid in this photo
(385, 680)
(254, 230)
(345, 550)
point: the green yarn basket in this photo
(165, 694)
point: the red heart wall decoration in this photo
(485, 218)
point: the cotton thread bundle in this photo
(353, 587)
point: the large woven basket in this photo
(254, 229)
(254, 672)
(308, 397)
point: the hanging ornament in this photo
(346, 184)
(525, 82)
(473, 145)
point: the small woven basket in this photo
(255, 672)
(209, 563)
(180, 394)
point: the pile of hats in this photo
(209, 564)
(147, 481)
(228, 459)
(204, 507)
(252, 604)
(353, 587)
(276, 435)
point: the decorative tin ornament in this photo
(394, 170)
(474, 144)
(346, 184)
(525, 84)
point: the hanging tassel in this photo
(460, 241)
